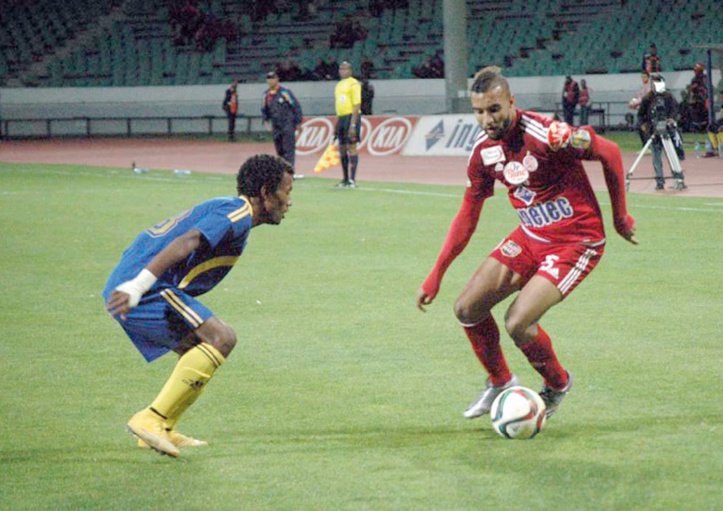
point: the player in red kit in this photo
(559, 241)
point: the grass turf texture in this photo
(340, 394)
(630, 142)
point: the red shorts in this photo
(563, 264)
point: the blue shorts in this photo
(161, 320)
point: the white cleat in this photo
(484, 402)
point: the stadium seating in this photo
(131, 42)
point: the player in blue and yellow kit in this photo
(347, 95)
(152, 292)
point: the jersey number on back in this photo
(164, 227)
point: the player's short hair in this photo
(487, 78)
(259, 171)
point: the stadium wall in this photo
(393, 97)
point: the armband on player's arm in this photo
(561, 135)
(459, 234)
(137, 287)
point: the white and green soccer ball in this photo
(518, 413)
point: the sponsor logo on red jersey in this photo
(493, 154)
(546, 213)
(515, 173)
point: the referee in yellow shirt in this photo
(347, 95)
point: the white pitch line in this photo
(176, 179)
(459, 196)
(671, 208)
(411, 192)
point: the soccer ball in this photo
(518, 412)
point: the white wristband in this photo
(138, 286)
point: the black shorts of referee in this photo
(343, 124)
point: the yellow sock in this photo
(714, 140)
(188, 379)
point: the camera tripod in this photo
(677, 170)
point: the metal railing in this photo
(603, 115)
(125, 126)
(608, 114)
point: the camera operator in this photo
(657, 113)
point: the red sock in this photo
(542, 357)
(485, 339)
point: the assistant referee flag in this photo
(329, 159)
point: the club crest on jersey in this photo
(510, 249)
(492, 155)
(516, 173)
(558, 135)
(530, 162)
(525, 195)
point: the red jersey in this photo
(539, 161)
(548, 188)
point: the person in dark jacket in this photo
(282, 115)
(367, 97)
(230, 106)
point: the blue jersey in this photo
(224, 222)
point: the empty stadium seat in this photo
(543, 37)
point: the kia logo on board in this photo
(316, 134)
(387, 137)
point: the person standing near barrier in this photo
(651, 61)
(282, 115)
(230, 106)
(367, 97)
(570, 98)
(715, 136)
(347, 100)
(698, 99)
(634, 103)
(559, 241)
(584, 103)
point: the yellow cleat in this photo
(178, 439)
(150, 428)
(181, 440)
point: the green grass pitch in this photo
(340, 394)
